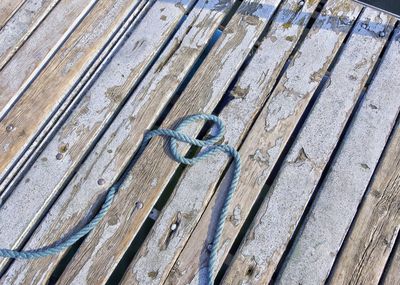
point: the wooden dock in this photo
(309, 92)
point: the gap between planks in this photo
(300, 174)
(371, 239)
(272, 130)
(162, 246)
(30, 114)
(232, 47)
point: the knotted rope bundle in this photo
(174, 136)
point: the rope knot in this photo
(178, 135)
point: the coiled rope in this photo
(174, 136)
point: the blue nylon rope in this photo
(174, 136)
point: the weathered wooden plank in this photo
(21, 124)
(154, 168)
(261, 250)
(392, 276)
(60, 157)
(21, 25)
(315, 248)
(267, 138)
(61, 114)
(194, 191)
(7, 9)
(365, 253)
(33, 46)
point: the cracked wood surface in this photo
(163, 245)
(67, 147)
(369, 244)
(154, 168)
(53, 85)
(88, 134)
(267, 238)
(24, 46)
(269, 134)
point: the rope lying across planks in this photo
(174, 136)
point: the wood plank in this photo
(21, 124)
(249, 95)
(392, 276)
(58, 160)
(287, 198)
(25, 51)
(315, 248)
(55, 122)
(267, 138)
(21, 25)
(367, 248)
(7, 10)
(203, 92)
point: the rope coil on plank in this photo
(174, 136)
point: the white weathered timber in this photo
(7, 10)
(21, 25)
(62, 112)
(333, 210)
(392, 276)
(29, 115)
(367, 247)
(19, 64)
(58, 160)
(161, 248)
(266, 140)
(154, 168)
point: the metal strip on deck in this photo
(308, 91)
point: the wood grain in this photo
(29, 115)
(21, 25)
(59, 159)
(203, 92)
(7, 9)
(195, 188)
(392, 276)
(26, 47)
(364, 255)
(266, 140)
(287, 198)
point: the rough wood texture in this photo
(67, 148)
(392, 276)
(195, 188)
(108, 242)
(7, 9)
(62, 113)
(315, 248)
(261, 250)
(22, 123)
(21, 25)
(18, 65)
(266, 140)
(367, 248)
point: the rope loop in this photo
(174, 136)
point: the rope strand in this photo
(174, 136)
